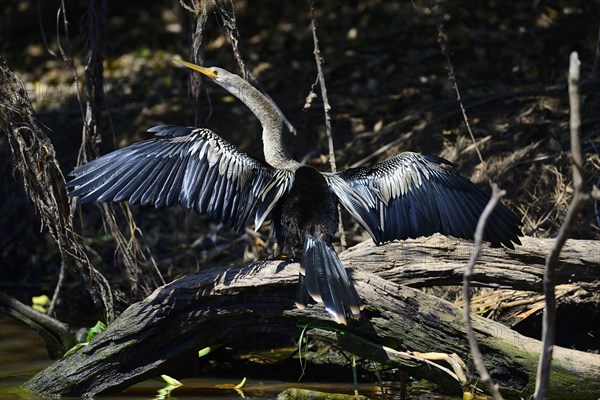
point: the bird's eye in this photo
(215, 72)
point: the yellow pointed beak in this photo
(206, 71)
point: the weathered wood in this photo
(439, 260)
(220, 305)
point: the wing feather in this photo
(414, 195)
(193, 167)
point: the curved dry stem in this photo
(475, 352)
(577, 202)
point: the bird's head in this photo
(225, 79)
(213, 73)
(261, 105)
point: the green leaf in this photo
(96, 329)
(42, 300)
(93, 331)
(75, 348)
(40, 303)
(171, 381)
(204, 351)
(241, 384)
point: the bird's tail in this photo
(324, 279)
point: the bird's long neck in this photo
(270, 118)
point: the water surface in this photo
(23, 353)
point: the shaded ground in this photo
(387, 84)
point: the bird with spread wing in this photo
(406, 196)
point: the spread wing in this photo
(189, 166)
(414, 195)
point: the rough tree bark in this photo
(433, 261)
(220, 305)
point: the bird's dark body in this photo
(304, 222)
(309, 208)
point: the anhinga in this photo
(407, 196)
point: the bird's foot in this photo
(279, 255)
(286, 259)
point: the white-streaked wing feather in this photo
(189, 166)
(414, 195)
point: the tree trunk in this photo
(220, 305)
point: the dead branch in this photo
(475, 351)
(221, 305)
(141, 278)
(34, 158)
(198, 18)
(58, 336)
(227, 13)
(577, 202)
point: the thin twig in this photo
(577, 202)
(575, 120)
(57, 289)
(141, 283)
(496, 195)
(442, 41)
(227, 13)
(187, 7)
(327, 110)
(468, 274)
(197, 25)
(326, 105)
(42, 32)
(594, 73)
(94, 81)
(67, 56)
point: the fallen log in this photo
(438, 260)
(220, 305)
